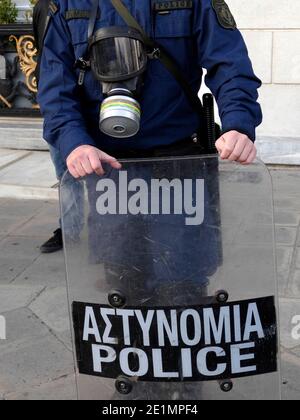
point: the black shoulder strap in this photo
(41, 21)
(53, 9)
(159, 52)
(93, 18)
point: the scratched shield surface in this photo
(171, 281)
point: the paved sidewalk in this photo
(36, 359)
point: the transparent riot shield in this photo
(171, 281)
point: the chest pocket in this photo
(173, 23)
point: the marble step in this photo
(27, 175)
(22, 133)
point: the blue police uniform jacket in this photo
(194, 36)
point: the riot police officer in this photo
(106, 93)
(196, 33)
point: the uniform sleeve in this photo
(230, 77)
(64, 126)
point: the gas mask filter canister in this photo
(118, 60)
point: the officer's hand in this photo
(236, 147)
(85, 160)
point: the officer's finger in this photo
(230, 142)
(104, 157)
(238, 149)
(96, 164)
(251, 157)
(79, 168)
(246, 152)
(73, 171)
(220, 144)
(86, 164)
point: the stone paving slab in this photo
(30, 177)
(48, 270)
(20, 208)
(32, 361)
(286, 183)
(296, 350)
(290, 375)
(284, 260)
(7, 157)
(284, 257)
(15, 296)
(61, 389)
(285, 235)
(28, 192)
(297, 257)
(52, 308)
(10, 223)
(278, 150)
(18, 246)
(43, 223)
(19, 133)
(286, 217)
(288, 309)
(22, 326)
(293, 287)
(284, 201)
(35, 170)
(12, 268)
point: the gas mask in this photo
(118, 59)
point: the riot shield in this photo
(171, 281)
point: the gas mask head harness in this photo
(118, 59)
